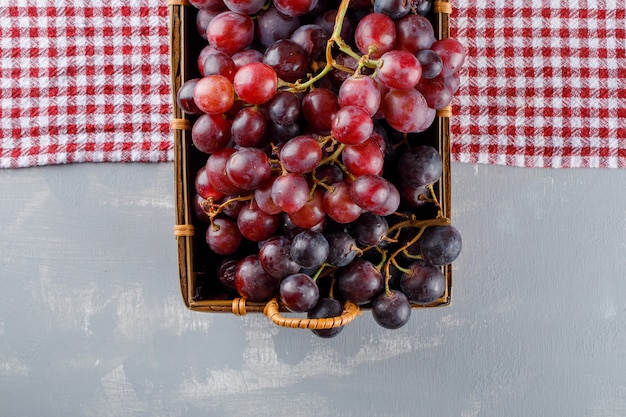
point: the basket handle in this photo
(272, 312)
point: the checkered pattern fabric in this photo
(543, 84)
(84, 83)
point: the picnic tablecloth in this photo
(544, 83)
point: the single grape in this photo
(319, 108)
(272, 25)
(230, 32)
(369, 229)
(290, 192)
(256, 225)
(339, 205)
(252, 282)
(311, 38)
(214, 94)
(405, 110)
(275, 257)
(375, 34)
(431, 63)
(184, 97)
(395, 9)
(399, 69)
(421, 165)
(352, 125)
(248, 127)
(423, 283)
(359, 282)
(391, 310)
(369, 191)
(414, 33)
(342, 249)
(440, 245)
(309, 249)
(288, 59)
(301, 154)
(326, 308)
(284, 108)
(211, 133)
(248, 168)
(299, 293)
(255, 83)
(361, 91)
(226, 272)
(223, 236)
(366, 158)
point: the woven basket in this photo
(195, 276)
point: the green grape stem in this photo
(335, 39)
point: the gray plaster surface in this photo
(92, 322)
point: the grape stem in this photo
(335, 39)
(413, 223)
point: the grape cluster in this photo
(315, 187)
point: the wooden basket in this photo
(194, 275)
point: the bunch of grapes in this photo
(316, 189)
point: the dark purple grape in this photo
(288, 59)
(311, 38)
(342, 249)
(431, 63)
(360, 282)
(284, 108)
(184, 97)
(424, 283)
(395, 9)
(440, 245)
(392, 309)
(248, 127)
(309, 249)
(226, 272)
(369, 229)
(252, 282)
(299, 293)
(326, 308)
(223, 236)
(272, 25)
(275, 257)
(422, 165)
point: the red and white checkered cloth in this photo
(543, 84)
(84, 82)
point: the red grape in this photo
(255, 83)
(230, 32)
(214, 94)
